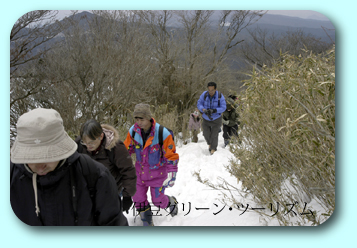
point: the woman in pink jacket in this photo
(194, 125)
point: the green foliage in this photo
(288, 153)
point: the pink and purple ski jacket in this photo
(151, 168)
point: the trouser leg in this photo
(140, 197)
(194, 136)
(215, 126)
(226, 132)
(235, 130)
(158, 197)
(206, 128)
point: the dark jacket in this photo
(123, 170)
(55, 198)
(231, 114)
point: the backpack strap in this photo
(132, 134)
(91, 178)
(89, 174)
(161, 138)
(219, 98)
(206, 94)
(74, 195)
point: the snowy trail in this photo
(200, 205)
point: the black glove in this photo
(208, 112)
(127, 202)
(214, 111)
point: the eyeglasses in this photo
(90, 143)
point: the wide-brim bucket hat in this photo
(41, 138)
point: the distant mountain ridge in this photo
(294, 21)
(277, 24)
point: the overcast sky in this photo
(307, 14)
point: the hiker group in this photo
(216, 110)
(55, 180)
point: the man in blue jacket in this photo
(211, 104)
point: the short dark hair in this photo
(92, 129)
(212, 84)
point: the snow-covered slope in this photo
(200, 205)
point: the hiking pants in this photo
(194, 136)
(211, 130)
(158, 197)
(228, 131)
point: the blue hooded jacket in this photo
(211, 103)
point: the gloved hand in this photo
(127, 202)
(170, 180)
(225, 122)
(207, 111)
(213, 111)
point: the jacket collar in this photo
(152, 131)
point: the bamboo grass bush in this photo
(288, 149)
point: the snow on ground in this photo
(200, 205)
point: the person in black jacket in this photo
(101, 143)
(49, 182)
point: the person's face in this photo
(211, 90)
(143, 123)
(43, 168)
(92, 145)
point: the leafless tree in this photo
(29, 35)
(100, 70)
(105, 64)
(29, 40)
(191, 48)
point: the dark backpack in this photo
(161, 139)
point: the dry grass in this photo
(289, 133)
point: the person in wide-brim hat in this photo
(41, 138)
(51, 184)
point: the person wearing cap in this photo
(101, 142)
(48, 183)
(156, 166)
(211, 104)
(194, 125)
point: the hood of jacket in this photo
(111, 134)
